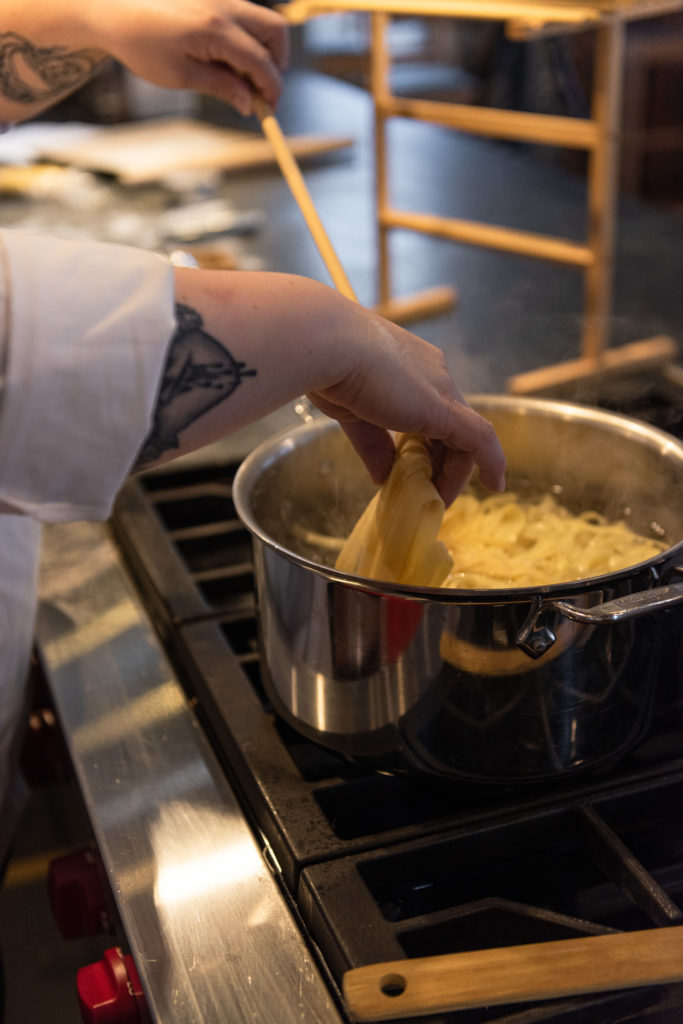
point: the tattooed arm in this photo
(33, 77)
(247, 342)
(224, 48)
(118, 379)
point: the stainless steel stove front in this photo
(213, 936)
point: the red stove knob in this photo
(109, 991)
(78, 894)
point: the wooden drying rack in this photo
(598, 135)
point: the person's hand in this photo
(273, 337)
(403, 382)
(223, 48)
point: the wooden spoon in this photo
(543, 970)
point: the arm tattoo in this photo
(199, 373)
(34, 74)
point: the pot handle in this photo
(630, 606)
(542, 970)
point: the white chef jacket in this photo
(84, 329)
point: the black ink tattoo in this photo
(34, 74)
(199, 373)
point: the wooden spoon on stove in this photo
(543, 970)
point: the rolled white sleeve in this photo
(87, 327)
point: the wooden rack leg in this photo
(380, 67)
(586, 379)
(431, 301)
(603, 185)
(600, 365)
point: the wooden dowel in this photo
(546, 129)
(524, 243)
(521, 31)
(297, 11)
(626, 360)
(409, 308)
(294, 178)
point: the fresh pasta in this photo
(500, 541)
(405, 535)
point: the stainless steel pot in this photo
(496, 686)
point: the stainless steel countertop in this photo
(211, 932)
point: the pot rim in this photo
(274, 447)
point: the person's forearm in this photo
(224, 48)
(246, 343)
(45, 54)
(151, 361)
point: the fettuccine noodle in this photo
(499, 541)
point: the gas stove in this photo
(377, 867)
